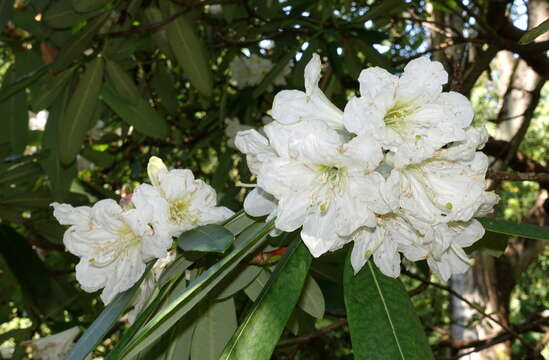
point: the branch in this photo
(518, 176)
(306, 338)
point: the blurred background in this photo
(90, 89)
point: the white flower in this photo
(146, 289)
(250, 71)
(291, 106)
(53, 347)
(113, 245)
(439, 191)
(177, 201)
(233, 126)
(317, 179)
(410, 116)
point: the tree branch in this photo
(306, 338)
(518, 176)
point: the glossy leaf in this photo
(51, 90)
(78, 43)
(207, 238)
(213, 330)
(21, 83)
(238, 280)
(88, 5)
(256, 287)
(140, 115)
(122, 82)
(259, 333)
(532, 34)
(382, 320)
(105, 321)
(515, 229)
(75, 121)
(190, 52)
(61, 15)
(312, 299)
(15, 110)
(194, 293)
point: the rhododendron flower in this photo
(53, 347)
(177, 201)
(250, 71)
(113, 244)
(410, 116)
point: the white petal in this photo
(457, 108)
(361, 250)
(68, 215)
(259, 203)
(378, 85)
(312, 75)
(292, 211)
(421, 81)
(362, 152)
(177, 184)
(319, 234)
(364, 116)
(387, 258)
(154, 167)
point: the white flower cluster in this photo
(250, 71)
(115, 242)
(397, 171)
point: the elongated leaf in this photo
(6, 8)
(382, 319)
(160, 37)
(75, 121)
(105, 321)
(515, 229)
(122, 82)
(61, 15)
(39, 199)
(256, 287)
(259, 333)
(164, 87)
(194, 293)
(312, 300)
(20, 172)
(51, 90)
(174, 270)
(140, 115)
(88, 5)
(371, 54)
(237, 281)
(214, 330)
(273, 74)
(21, 83)
(190, 52)
(207, 238)
(15, 109)
(532, 34)
(78, 43)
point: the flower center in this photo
(330, 180)
(127, 239)
(179, 211)
(396, 114)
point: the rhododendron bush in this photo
(205, 188)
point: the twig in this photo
(472, 305)
(306, 338)
(518, 176)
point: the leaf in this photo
(274, 73)
(6, 8)
(75, 121)
(515, 229)
(371, 54)
(174, 270)
(78, 43)
(122, 82)
(84, 6)
(214, 330)
(312, 299)
(160, 37)
(105, 321)
(259, 333)
(164, 87)
(51, 90)
(24, 263)
(532, 34)
(19, 173)
(15, 109)
(190, 52)
(256, 287)
(382, 320)
(237, 281)
(194, 293)
(385, 8)
(38, 199)
(491, 243)
(239, 222)
(140, 115)
(21, 83)
(207, 238)
(61, 15)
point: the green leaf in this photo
(51, 89)
(491, 243)
(194, 293)
(385, 8)
(382, 320)
(238, 280)
(38, 199)
(140, 115)
(312, 299)
(259, 333)
(274, 73)
(105, 321)
(256, 287)
(15, 109)
(515, 229)
(122, 82)
(160, 37)
(76, 120)
(174, 270)
(190, 52)
(532, 34)
(61, 15)
(164, 87)
(19, 173)
(88, 5)
(239, 222)
(21, 83)
(6, 8)
(371, 54)
(78, 43)
(207, 238)
(214, 330)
